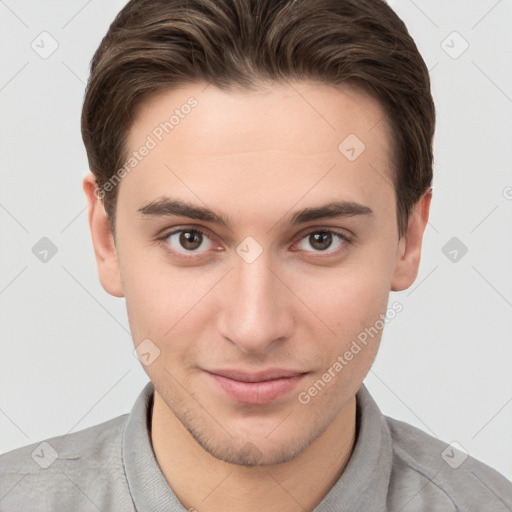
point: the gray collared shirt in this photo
(111, 467)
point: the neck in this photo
(206, 484)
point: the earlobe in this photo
(409, 246)
(103, 241)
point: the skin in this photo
(298, 306)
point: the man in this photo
(261, 180)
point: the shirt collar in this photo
(365, 481)
(148, 486)
(362, 486)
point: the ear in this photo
(102, 240)
(409, 246)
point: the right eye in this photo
(188, 241)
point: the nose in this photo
(256, 312)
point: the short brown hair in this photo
(154, 45)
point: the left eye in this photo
(320, 241)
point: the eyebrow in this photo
(167, 207)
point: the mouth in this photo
(257, 388)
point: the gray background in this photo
(445, 363)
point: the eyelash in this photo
(345, 239)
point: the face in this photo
(254, 246)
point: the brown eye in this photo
(188, 240)
(323, 241)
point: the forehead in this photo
(262, 119)
(274, 144)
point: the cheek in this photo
(350, 298)
(350, 301)
(167, 305)
(154, 297)
(352, 308)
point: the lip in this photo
(256, 388)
